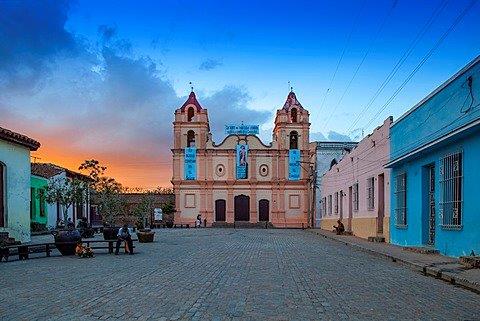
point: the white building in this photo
(328, 154)
(15, 184)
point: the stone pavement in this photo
(439, 266)
(227, 274)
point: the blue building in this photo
(435, 162)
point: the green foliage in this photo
(144, 209)
(168, 208)
(66, 192)
(107, 191)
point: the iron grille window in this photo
(329, 204)
(401, 199)
(355, 197)
(336, 202)
(370, 193)
(451, 191)
(324, 207)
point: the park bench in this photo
(105, 244)
(23, 251)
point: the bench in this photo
(23, 251)
(106, 244)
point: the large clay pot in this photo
(110, 233)
(66, 240)
(145, 236)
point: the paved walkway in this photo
(226, 274)
(442, 267)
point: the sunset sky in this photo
(101, 79)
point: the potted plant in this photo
(141, 212)
(66, 192)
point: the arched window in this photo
(190, 138)
(293, 115)
(293, 140)
(3, 194)
(190, 113)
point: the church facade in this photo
(242, 179)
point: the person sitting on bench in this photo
(340, 229)
(124, 235)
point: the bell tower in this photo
(292, 125)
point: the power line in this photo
(400, 62)
(372, 42)
(354, 25)
(424, 59)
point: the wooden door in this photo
(263, 210)
(381, 203)
(242, 208)
(220, 206)
(2, 196)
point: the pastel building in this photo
(435, 157)
(49, 214)
(356, 190)
(242, 179)
(15, 151)
(327, 154)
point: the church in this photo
(241, 179)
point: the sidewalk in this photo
(439, 266)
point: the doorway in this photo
(341, 205)
(350, 209)
(263, 210)
(381, 203)
(220, 206)
(242, 208)
(431, 204)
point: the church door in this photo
(263, 210)
(220, 211)
(242, 208)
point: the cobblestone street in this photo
(226, 274)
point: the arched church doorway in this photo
(242, 208)
(263, 210)
(220, 211)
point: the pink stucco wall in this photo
(365, 161)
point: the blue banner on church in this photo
(190, 163)
(294, 165)
(242, 161)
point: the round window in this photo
(263, 170)
(220, 170)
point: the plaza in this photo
(229, 274)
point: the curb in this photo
(417, 267)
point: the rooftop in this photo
(16, 138)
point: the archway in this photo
(242, 208)
(264, 210)
(220, 210)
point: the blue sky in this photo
(120, 68)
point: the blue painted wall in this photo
(439, 115)
(451, 108)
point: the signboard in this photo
(242, 161)
(242, 129)
(294, 164)
(190, 163)
(158, 214)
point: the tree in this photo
(66, 192)
(107, 190)
(143, 209)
